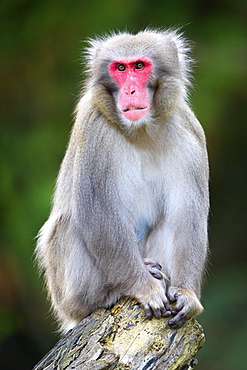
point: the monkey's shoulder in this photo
(189, 123)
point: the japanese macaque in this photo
(130, 209)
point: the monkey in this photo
(130, 208)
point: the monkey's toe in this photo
(152, 264)
(155, 269)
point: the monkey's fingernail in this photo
(158, 266)
(173, 298)
(148, 313)
(158, 275)
(157, 314)
(172, 323)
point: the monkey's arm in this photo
(88, 246)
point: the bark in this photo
(123, 338)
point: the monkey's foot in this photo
(155, 269)
(186, 306)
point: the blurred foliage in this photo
(40, 73)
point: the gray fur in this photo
(130, 190)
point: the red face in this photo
(131, 75)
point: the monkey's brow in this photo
(160, 67)
(106, 62)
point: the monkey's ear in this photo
(183, 48)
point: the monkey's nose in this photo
(129, 92)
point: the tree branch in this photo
(123, 338)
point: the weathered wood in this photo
(123, 338)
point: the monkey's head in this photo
(138, 79)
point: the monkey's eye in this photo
(121, 67)
(139, 65)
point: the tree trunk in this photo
(123, 338)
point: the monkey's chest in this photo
(149, 203)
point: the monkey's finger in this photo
(179, 319)
(176, 324)
(173, 295)
(157, 313)
(161, 312)
(178, 306)
(168, 311)
(148, 311)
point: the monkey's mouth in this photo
(133, 108)
(134, 113)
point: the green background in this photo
(40, 74)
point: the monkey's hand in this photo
(186, 306)
(153, 299)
